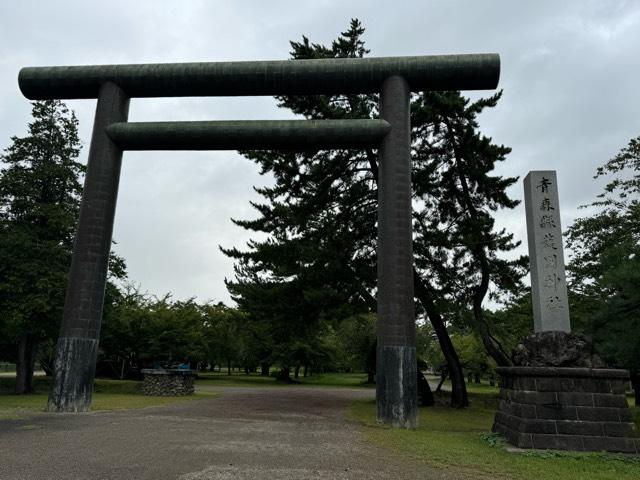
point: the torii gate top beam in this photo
(254, 78)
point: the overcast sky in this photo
(570, 74)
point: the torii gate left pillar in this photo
(77, 346)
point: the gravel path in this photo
(247, 433)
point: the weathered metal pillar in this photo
(77, 347)
(396, 390)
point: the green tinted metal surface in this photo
(283, 77)
(248, 135)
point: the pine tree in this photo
(321, 212)
(319, 264)
(39, 202)
(457, 247)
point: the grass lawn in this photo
(460, 441)
(256, 380)
(107, 395)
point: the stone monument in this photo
(393, 78)
(558, 396)
(546, 257)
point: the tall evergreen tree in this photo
(321, 212)
(456, 245)
(604, 269)
(39, 202)
(616, 219)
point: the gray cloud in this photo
(568, 72)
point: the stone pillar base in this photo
(396, 387)
(559, 408)
(167, 383)
(73, 373)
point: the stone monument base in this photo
(167, 383)
(583, 409)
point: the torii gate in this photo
(113, 85)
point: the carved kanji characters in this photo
(545, 206)
(544, 185)
(547, 221)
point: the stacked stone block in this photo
(560, 408)
(167, 383)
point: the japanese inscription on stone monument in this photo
(548, 281)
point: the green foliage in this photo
(226, 338)
(285, 322)
(356, 338)
(604, 269)
(427, 348)
(40, 193)
(616, 221)
(493, 439)
(39, 202)
(615, 324)
(513, 321)
(471, 352)
(140, 330)
(473, 356)
(456, 245)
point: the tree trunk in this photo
(47, 366)
(27, 347)
(491, 344)
(283, 374)
(443, 377)
(425, 395)
(459, 397)
(371, 376)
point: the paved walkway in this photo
(248, 433)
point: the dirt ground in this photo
(247, 433)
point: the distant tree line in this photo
(142, 331)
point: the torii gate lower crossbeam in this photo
(394, 78)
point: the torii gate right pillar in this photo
(396, 379)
